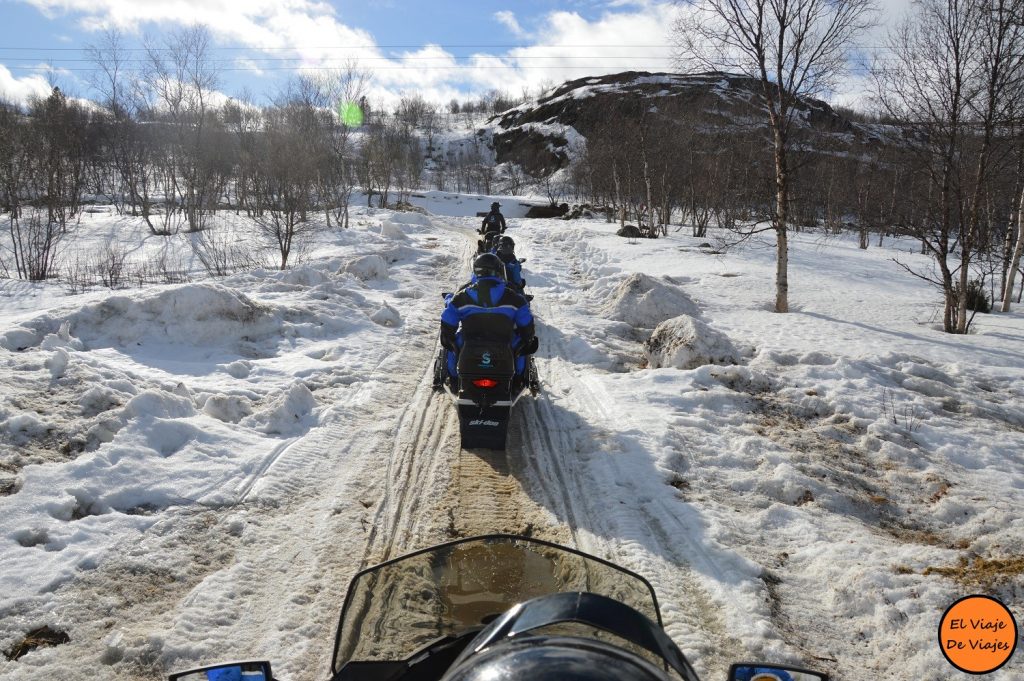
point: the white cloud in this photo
(508, 19)
(20, 90)
(575, 47)
(308, 34)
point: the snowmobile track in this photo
(552, 440)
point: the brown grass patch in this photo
(979, 571)
(42, 637)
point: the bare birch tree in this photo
(951, 80)
(793, 49)
(183, 74)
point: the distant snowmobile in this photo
(501, 608)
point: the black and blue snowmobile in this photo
(487, 386)
(501, 608)
(486, 357)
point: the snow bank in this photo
(366, 267)
(393, 230)
(687, 343)
(290, 414)
(386, 316)
(227, 408)
(200, 314)
(641, 300)
(19, 338)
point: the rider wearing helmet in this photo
(493, 221)
(531, 642)
(755, 673)
(486, 294)
(506, 250)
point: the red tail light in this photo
(485, 382)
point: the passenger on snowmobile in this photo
(488, 243)
(754, 673)
(490, 308)
(494, 221)
(506, 250)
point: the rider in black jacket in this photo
(494, 221)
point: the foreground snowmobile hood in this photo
(498, 607)
(396, 609)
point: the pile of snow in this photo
(291, 414)
(687, 343)
(386, 316)
(641, 300)
(390, 229)
(366, 267)
(410, 219)
(193, 314)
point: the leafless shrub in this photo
(34, 242)
(161, 269)
(78, 275)
(214, 251)
(110, 263)
(5, 272)
(904, 416)
(221, 255)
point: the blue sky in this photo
(438, 48)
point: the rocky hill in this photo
(544, 136)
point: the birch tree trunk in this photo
(1015, 258)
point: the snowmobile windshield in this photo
(400, 608)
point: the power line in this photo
(394, 47)
(49, 60)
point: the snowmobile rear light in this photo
(485, 382)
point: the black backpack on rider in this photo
(492, 223)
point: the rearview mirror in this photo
(759, 671)
(229, 671)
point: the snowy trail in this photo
(230, 468)
(263, 573)
(570, 456)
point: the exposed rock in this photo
(540, 136)
(548, 211)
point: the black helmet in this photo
(495, 206)
(538, 640)
(506, 243)
(547, 658)
(489, 265)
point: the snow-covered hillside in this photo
(193, 472)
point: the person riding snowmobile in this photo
(506, 250)
(486, 294)
(493, 221)
(488, 243)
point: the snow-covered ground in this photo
(193, 472)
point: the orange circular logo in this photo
(977, 634)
